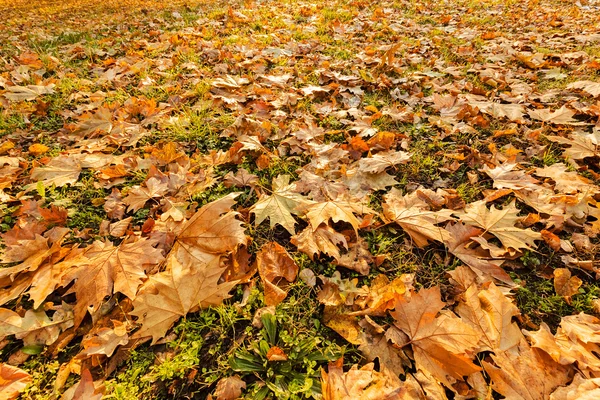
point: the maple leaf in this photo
(460, 245)
(30, 252)
(110, 269)
(381, 161)
(48, 277)
(490, 312)
(590, 87)
(442, 344)
(526, 373)
(579, 389)
(319, 213)
(575, 341)
(29, 92)
(565, 181)
(566, 285)
(212, 230)
(581, 145)
(60, 171)
(562, 116)
(505, 178)
(194, 269)
(172, 294)
(13, 381)
(415, 217)
(277, 269)
(99, 121)
(240, 179)
(138, 196)
(280, 205)
(104, 341)
(35, 327)
(321, 240)
(366, 383)
(500, 223)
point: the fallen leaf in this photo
(13, 381)
(490, 312)
(229, 388)
(500, 223)
(280, 205)
(442, 343)
(527, 373)
(415, 217)
(562, 116)
(110, 269)
(277, 270)
(589, 87)
(60, 171)
(29, 92)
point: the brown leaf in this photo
(12, 381)
(562, 116)
(442, 344)
(280, 205)
(138, 196)
(60, 171)
(229, 388)
(85, 389)
(358, 258)
(194, 269)
(580, 389)
(490, 312)
(415, 217)
(171, 294)
(323, 240)
(276, 269)
(366, 384)
(110, 269)
(320, 213)
(564, 284)
(500, 223)
(104, 341)
(527, 373)
(590, 87)
(462, 247)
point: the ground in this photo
(314, 166)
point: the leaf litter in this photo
(429, 170)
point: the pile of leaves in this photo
(417, 181)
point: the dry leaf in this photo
(12, 381)
(566, 285)
(500, 223)
(442, 343)
(277, 270)
(229, 388)
(280, 205)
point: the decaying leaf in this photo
(442, 343)
(12, 381)
(366, 383)
(490, 312)
(415, 217)
(525, 374)
(229, 388)
(277, 270)
(564, 284)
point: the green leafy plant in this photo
(283, 367)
